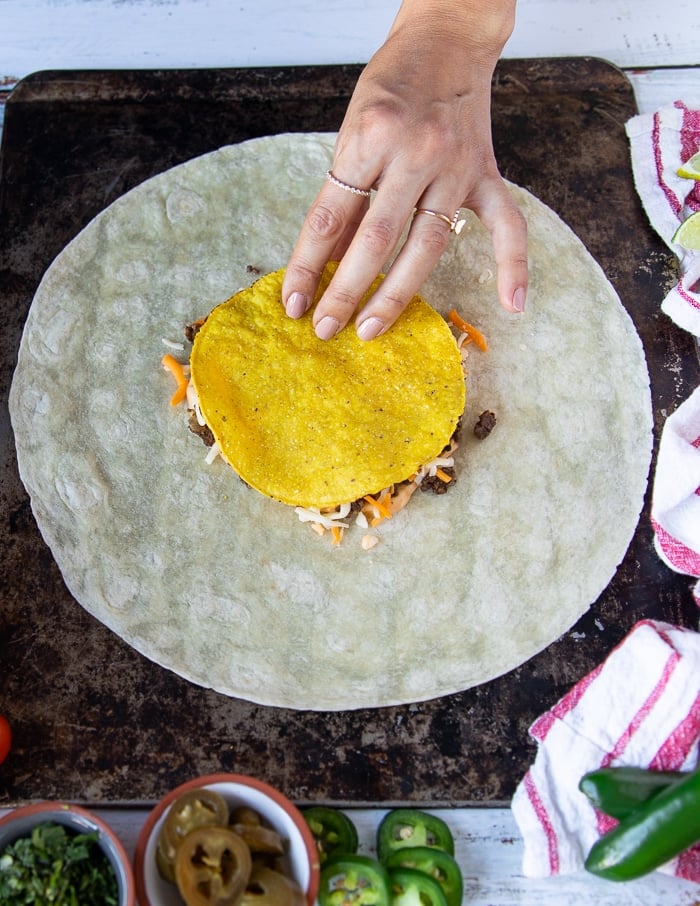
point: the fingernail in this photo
(327, 327)
(370, 328)
(519, 299)
(296, 305)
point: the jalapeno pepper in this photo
(260, 839)
(352, 880)
(332, 830)
(267, 887)
(660, 829)
(620, 791)
(436, 863)
(410, 887)
(212, 867)
(195, 808)
(405, 827)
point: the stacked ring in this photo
(346, 186)
(454, 223)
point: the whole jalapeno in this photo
(660, 829)
(621, 790)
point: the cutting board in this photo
(96, 721)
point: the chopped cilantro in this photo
(56, 867)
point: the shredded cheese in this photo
(214, 451)
(326, 520)
(376, 508)
(173, 344)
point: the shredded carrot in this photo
(474, 334)
(379, 505)
(337, 532)
(443, 476)
(172, 365)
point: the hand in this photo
(417, 129)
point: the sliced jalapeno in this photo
(212, 867)
(410, 887)
(404, 827)
(352, 880)
(267, 887)
(261, 839)
(332, 830)
(659, 830)
(436, 863)
(195, 808)
(620, 791)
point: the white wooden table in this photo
(658, 46)
(488, 848)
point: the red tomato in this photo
(5, 738)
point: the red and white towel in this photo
(659, 144)
(675, 508)
(640, 707)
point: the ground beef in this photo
(191, 330)
(437, 485)
(203, 431)
(485, 424)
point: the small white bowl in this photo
(276, 810)
(21, 821)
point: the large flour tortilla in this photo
(224, 586)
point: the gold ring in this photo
(454, 222)
(346, 186)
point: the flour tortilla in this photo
(224, 586)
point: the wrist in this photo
(484, 25)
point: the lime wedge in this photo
(691, 168)
(688, 233)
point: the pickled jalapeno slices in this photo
(220, 858)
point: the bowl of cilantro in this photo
(55, 852)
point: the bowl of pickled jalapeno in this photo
(226, 840)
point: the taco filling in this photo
(340, 429)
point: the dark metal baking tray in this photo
(94, 720)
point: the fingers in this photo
(427, 239)
(336, 224)
(500, 214)
(340, 225)
(327, 231)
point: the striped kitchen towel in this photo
(659, 143)
(675, 505)
(640, 707)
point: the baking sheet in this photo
(94, 720)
